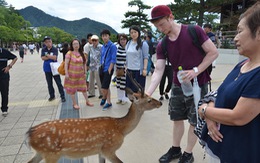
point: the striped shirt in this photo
(120, 57)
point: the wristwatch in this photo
(196, 70)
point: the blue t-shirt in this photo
(110, 55)
(212, 37)
(240, 143)
(46, 63)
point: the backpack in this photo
(195, 41)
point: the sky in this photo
(110, 12)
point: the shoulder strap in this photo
(106, 53)
(195, 38)
(164, 49)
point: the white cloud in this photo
(110, 12)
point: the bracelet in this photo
(203, 110)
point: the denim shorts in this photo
(182, 107)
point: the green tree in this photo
(195, 12)
(55, 33)
(138, 17)
(3, 3)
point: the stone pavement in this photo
(28, 106)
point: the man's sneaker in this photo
(63, 100)
(166, 96)
(170, 155)
(51, 99)
(103, 101)
(107, 106)
(186, 158)
(5, 113)
(100, 97)
(161, 98)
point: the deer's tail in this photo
(27, 138)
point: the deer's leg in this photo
(112, 157)
(36, 159)
(101, 159)
(109, 150)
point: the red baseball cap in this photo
(160, 11)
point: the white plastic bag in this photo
(54, 68)
(196, 95)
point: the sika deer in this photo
(77, 138)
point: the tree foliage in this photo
(196, 12)
(57, 35)
(137, 17)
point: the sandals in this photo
(89, 104)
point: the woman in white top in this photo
(137, 54)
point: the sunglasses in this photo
(94, 40)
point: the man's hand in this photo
(189, 75)
(6, 69)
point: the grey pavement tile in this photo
(38, 122)
(9, 120)
(13, 140)
(26, 118)
(18, 132)
(9, 150)
(43, 112)
(4, 133)
(20, 108)
(23, 124)
(4, 127)
(2, 140)
(23, 158)
(43, 117)
(25, 150)
(7, 159)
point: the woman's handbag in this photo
(120, 72)
(61, 68)
(209, 97)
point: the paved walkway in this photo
(28, 106)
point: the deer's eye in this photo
(149, 100)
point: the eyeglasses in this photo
(122, 39)
(94, 40)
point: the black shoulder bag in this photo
(101, 68)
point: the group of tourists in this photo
(232, 115)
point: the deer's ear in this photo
(130, 94)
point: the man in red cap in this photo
(181, 52)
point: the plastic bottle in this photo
(186, 85)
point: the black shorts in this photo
(182, 107)
(106, 79)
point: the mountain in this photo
(78, 28)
